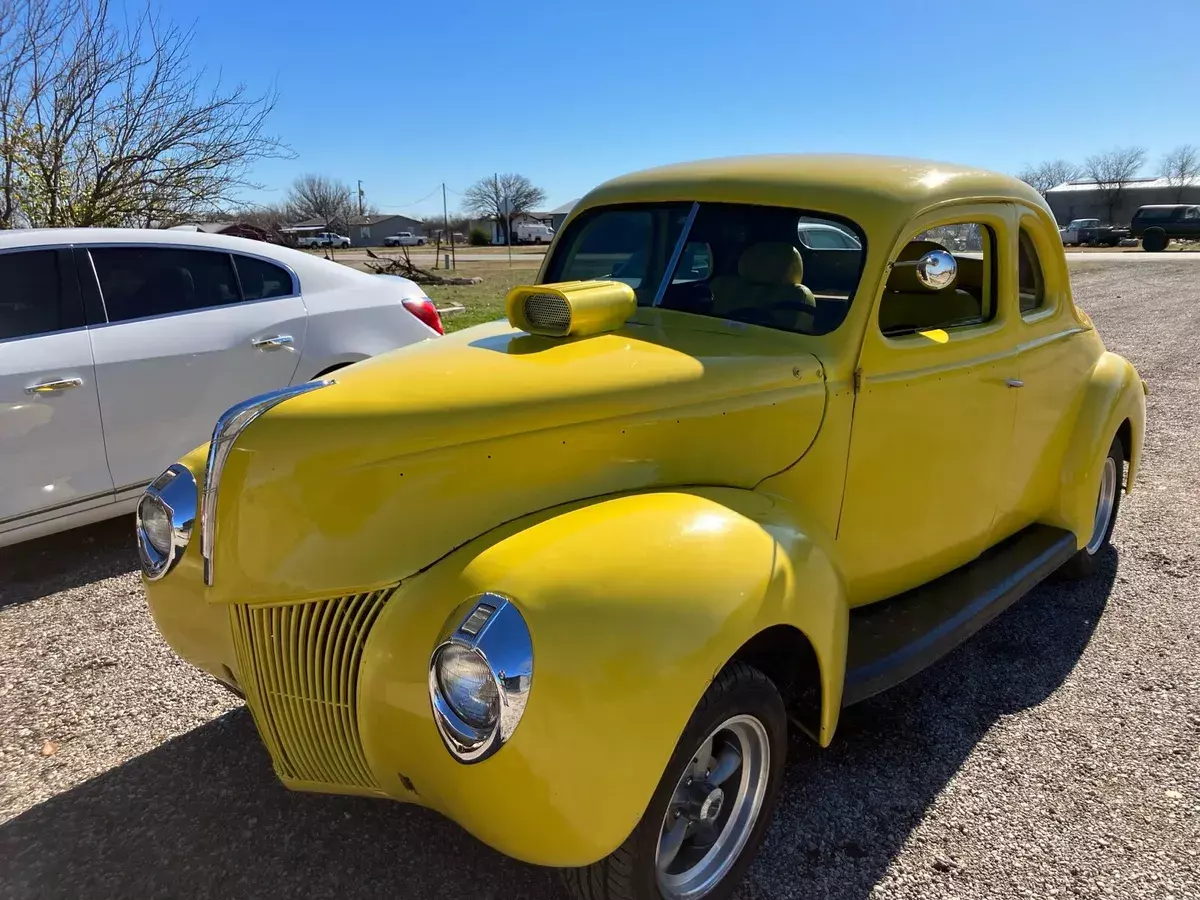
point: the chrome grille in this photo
(299, 669)
(548, 312)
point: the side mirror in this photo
(936, 270)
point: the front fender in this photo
(634, 603)
(1114, 394)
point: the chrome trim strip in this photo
(676, 253)
(229, 426)
(176, 492)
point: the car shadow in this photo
(69, 559)
(202, 815)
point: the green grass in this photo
(484, 302)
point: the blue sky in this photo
(406, 95)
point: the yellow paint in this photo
(654, 496)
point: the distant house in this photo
(369, 231)
(234, 229)
(1083, 200)
(559, 215)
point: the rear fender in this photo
(634, 604)
(1113, 395)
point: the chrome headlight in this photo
(479, 678)
(165, 516)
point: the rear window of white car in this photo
(137, 282)
(261, 280)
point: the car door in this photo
(189, 333)
(51, 439)
(1053, 365)
(933, 415)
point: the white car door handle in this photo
(1015, 382)
(272, 343)
(53, 387)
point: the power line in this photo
(398, 206)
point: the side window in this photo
(31, 301)
(137, 282)
(1030, 284)
(909, 306)
(262, 280)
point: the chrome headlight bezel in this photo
(175, 492)
(492, 628)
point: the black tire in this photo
(629, 872)
(1084, 563)
(1155, 240)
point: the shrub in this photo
(479, 238)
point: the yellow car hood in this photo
(415, 452)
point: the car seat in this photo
(767, 289)
(908, 304)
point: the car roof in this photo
(1163, 206)
(315, 272)
(873, 191)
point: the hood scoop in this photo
(570, 308)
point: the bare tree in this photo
(104, 123)
(1112, 172)
(1049, 174)
(321, 197)
(502, 196)
(1181, 167)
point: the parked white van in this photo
(119, 349)
(533, 234)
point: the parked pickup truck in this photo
(1091, 232)
(404, 239)
(324, 239)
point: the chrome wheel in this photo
(1105, 504)
(714, 808)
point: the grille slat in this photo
(299, 668)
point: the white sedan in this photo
(119, 348)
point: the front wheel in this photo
(1108, 501)
(711, 809)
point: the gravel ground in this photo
(1056, 754)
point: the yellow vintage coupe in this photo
(768, 436)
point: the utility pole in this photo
(446, 228)
(360, 199)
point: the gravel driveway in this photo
(1056, 754)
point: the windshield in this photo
(762, 265)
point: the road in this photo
(1097, 256)
(1057, 754)
(425, 257)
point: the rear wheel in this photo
(1155, 240)
(1108, 501)
(713, 805)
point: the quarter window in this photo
(137, 282)
(262, 280)
(1031, 287)
(31, 300)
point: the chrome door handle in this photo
(272, 343)
(53, 387)
(1014, 382)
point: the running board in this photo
(894, 639)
